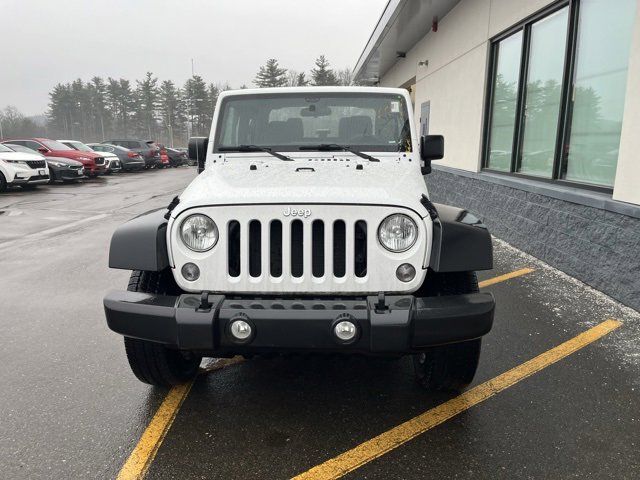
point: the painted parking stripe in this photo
(506, 276)
(145, 451)
(397, 436)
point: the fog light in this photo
(345, 330)
(190, 272)
(406, 272)
(240, 330)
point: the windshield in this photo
(362, 121)
(53, 145)
(80, 146)
(4, 148)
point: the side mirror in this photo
(43, 150)
(431, 148)
(198, 151)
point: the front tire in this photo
(3, 182)
(155, 363)
(448, 367)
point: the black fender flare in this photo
(461, 242)
(141, 243)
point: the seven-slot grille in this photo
(36, 163)
(321, 243)
(298, 249)
(99, 161)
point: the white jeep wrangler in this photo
(309, 229)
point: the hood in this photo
(331, 179)
(20, 156)
(66, 161)
(74, 154)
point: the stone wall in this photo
(599, 247)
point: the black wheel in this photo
(448, 367)
(3, 182)
(155, 363)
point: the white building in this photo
(539, 103)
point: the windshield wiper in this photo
(327, 147)
(255, 148)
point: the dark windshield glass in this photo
(366, 121)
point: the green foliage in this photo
(271, 75)
(152, 109)
(323, 75)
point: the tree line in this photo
(100, 109)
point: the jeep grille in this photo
(316, 243)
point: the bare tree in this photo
(345, 76)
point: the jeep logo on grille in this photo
(297, 212)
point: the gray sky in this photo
(45, 42)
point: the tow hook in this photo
(381, 306)
(205, 305)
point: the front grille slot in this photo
(297, 248)
(317, 248)
(255, 248)
(275, 248)
(360, 249)
(339, 249)
(233, 232)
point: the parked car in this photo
(177, 158)
(60, 169)
(147, 149)
(93, 163)
(24, 169)
(112, 162)
(130, 160)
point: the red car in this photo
(93, 163)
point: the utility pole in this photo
(192, 68)
(1, 134)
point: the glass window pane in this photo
(604, 39)
(543, 94)
(505, 99)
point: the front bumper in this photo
(406, 324)
(67, 174)
(31, 180)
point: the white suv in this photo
(24, 169)
(309, 229)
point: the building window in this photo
(557, 91)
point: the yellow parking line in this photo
(506, 276)
(391, 439)
(145, 451)
(138, 462)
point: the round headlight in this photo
(199, 233)
(398, 232)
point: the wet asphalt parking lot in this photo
(70, 408)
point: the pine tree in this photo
(197, 105)
(170, 107)
(271, 75)
(322, 75)
(302, 81)
(101, 115)
(146, 106)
